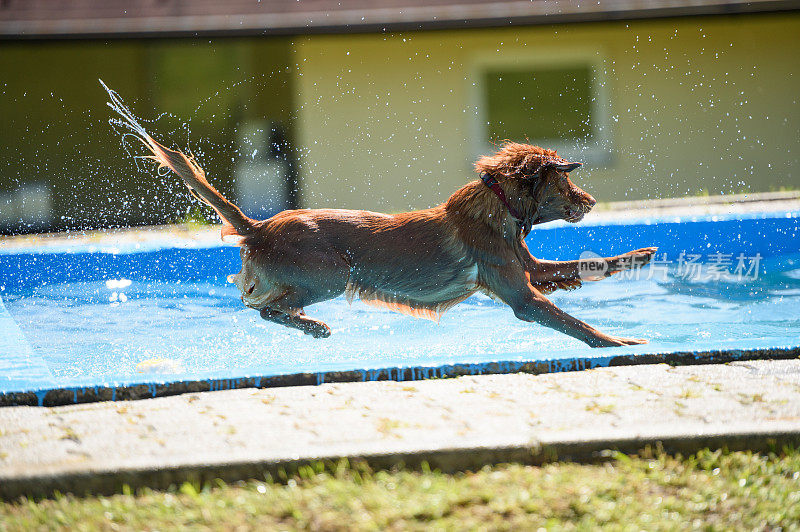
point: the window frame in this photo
(596, 153)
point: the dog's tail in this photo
(234, 222)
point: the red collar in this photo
(494, 185)
(523, 223)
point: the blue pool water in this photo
(91, 317)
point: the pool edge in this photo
(49, 397)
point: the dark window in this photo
(540, 103)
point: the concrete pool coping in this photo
(165, 385)
(452, 424)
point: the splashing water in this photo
(131, 127)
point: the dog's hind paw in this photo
(317, 330)
(297, 320)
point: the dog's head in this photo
(537, 181)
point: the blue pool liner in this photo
(20, 368)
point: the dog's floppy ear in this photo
(566, 167)
(558, 165)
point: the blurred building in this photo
(386, 105)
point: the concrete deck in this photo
(451, 423)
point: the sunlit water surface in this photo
(104, 331)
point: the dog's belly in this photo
(425, 284)
(413, 293)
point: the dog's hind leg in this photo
(297, 320)
(288, 309)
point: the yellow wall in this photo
(698, 104)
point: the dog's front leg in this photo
(551, 271)
(632, 259)
(511, 285)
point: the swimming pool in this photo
(82, 323)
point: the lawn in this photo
(711, 490)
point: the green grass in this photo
(709, 490)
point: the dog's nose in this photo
(590, 201)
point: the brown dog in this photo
(420, 263)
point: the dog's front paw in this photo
(631, 259)
(616, 341)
